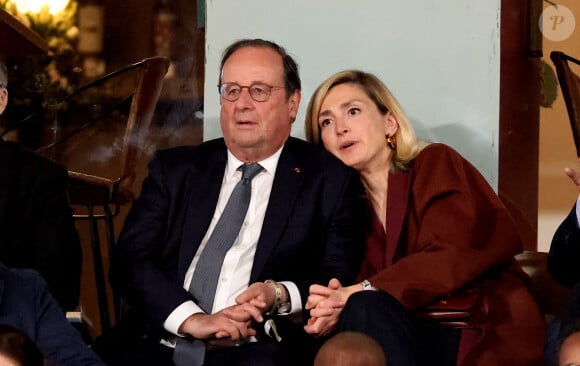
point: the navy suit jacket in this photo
(36, 225)
(564, 254)
(26, 304)
(312, 231)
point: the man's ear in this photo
(293, 104)
(3, 99)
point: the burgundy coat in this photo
(446, 227)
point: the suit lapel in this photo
(287, 183)
(8, 176)
(205, 190)
(397, 202)
(2, 286)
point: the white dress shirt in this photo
(237, 266)
(578, 210)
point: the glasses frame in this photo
(267, 87)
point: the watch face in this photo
(366, 285)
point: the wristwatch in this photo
(278, 303)
(366, 285)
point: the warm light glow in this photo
(34, 6)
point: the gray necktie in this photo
(206, 273)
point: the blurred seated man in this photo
(563, 265)
(26, 304)
(350, 349)
(564, 253)
(36, 225)
(569, 344)
(17, 349)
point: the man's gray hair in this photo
(3, 75)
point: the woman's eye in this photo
(324, 122)
(353, 111)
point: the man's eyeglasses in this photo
(259, 92)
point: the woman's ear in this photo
(391, 124)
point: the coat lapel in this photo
(397, 205)
(287, 183)
(205, 190)
(8, 177)
(2, 286)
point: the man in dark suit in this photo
(36, 225)
(563, 265)
(26, 304)
(303, 225)
(564, 251)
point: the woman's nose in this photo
(340, 127)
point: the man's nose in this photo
(245, 98)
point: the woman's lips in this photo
(346, 145)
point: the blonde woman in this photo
(436, 227)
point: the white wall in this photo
(439, 58)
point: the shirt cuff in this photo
(294, 299)
(578, 211)
(179, 315)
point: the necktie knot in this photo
(249, 171)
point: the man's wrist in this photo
(179, 315)
(282, 297)
(188, 324)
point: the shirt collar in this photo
(269, 164)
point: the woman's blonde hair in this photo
(407, 144)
